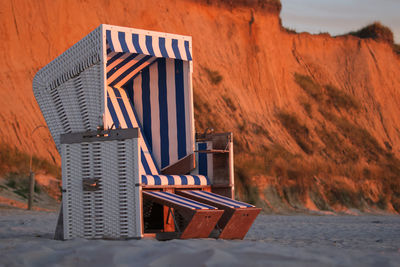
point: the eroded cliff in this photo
(315, 118)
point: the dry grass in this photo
(307, 107)
(260, 131)
(17, 162)
(203, 112)
(328, 94)
(297, 130)
(229, 103)
(20, 184)
(329, 174)
(335, 147)
(296, 179)
(214, 76)
(309, 86)
(341, 99)
(358, 137)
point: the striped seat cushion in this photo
(218, 199)
(175, 180)
(179, 200)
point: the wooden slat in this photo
(182, 167)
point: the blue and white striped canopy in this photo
(154, 73)
(151, 44)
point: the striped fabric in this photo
(179, 200)
(204, 160)
(122, 67)
(218, 199)
(153, 45)
(159, 89)
(161, 96)
(175, 180)
(122, 114)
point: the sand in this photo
(274, 240)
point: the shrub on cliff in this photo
(396, 48)
(273, 6)
(375, 31)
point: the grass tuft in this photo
(229, 103)
(14, 160)
(298, 131)
(340, 99)
(20, 184)
(309, 86)
(214, 76)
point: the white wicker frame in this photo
(113, 211)
(70, 89)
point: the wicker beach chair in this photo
(119, 106)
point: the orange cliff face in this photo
(315, 118)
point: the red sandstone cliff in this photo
(315, 118)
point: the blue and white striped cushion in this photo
(175, 180)
(218, 199)
(179, 200)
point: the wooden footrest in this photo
(199, 218)
(237, 218)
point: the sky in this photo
(340, 16)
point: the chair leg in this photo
(59, 232)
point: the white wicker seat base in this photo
(101, 189)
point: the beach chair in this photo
(120, 78)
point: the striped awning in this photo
(152, 44)
(175, 180)
(122, 67)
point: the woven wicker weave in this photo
(111, 211)
(58, 88)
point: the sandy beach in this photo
(274, 240)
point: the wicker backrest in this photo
(153, 68)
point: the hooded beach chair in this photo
(123, 183)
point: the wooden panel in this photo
(239, 223)
(201, 224)
(235, 222)
(182, 167)
(168, 219)
(225, 191)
